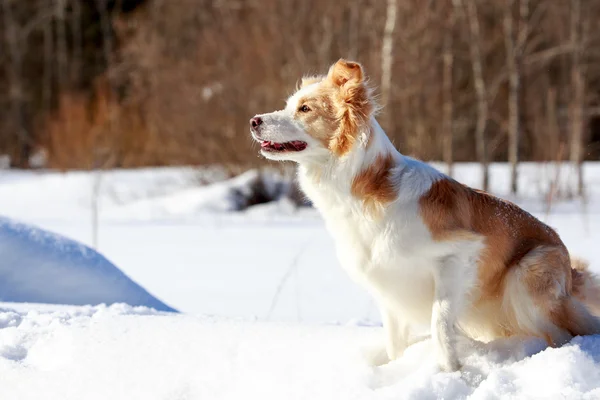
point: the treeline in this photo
(104, 83)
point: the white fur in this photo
(418, 282)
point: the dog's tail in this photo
(586, 285)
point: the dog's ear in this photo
(343, 72)
(354, 103)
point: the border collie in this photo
(431, 251)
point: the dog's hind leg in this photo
(539, 294)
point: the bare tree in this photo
(480, 88)
(77, 40)
(48, 66)
(61, 44)
(513, 93)
(448, 98)
(514, 42)
(16, 91)
(578, 94)
(552, 127)
(387, 55)
(102, 155)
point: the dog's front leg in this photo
(447, 305)
(396, 333)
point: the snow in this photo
(267, 311)
(39, 266)
(121, 352)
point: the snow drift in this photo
(37, 266)
(122, 352)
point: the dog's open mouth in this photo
(294, 145)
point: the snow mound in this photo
(42, 267)
(122, 352)
(234, 194)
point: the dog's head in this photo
(324, 118)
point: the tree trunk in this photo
(448, 106)
(578, 94)
(387, 58)
(48, 67)
(552, 127)
(512, 65)
(77, 40)
(61, 44)
(480, 90)
(16, 95)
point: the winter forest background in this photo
(129, 83)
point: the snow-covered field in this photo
(266, 309)
(128, 353)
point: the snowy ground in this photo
(182, 243)
(127, 353)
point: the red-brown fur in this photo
(373, 185)
(513, 239)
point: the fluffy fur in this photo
(431, 251)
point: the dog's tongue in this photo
(298, 145)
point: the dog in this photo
(431, 251)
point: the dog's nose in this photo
(255, 122)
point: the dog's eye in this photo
(304, 108)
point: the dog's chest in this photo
(395, 242)
(392, 254)
(392, 258)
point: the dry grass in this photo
(95, 132)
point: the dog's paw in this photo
(449, 364)
(376, 356)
